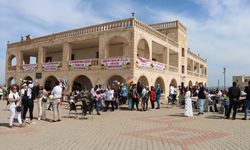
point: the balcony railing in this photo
(173, 68)
(189, 72)
(11, 68)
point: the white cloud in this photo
(223, 38)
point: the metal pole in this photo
(224, 72)
(218, 84)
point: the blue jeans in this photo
(97, 107)
(158, 97)
(130, 103)
(247, 105)
(201, 103)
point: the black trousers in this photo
(135, 101)
(26, 107)
(152, 104)
(107, 105)
(234, 105)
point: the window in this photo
(72, 57)
(183, 52)
(183, 69)
(97, 54)
(48, 59)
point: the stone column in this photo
(66, 56)
(102, 47)
(41, 58)
(19, 60)
(168, 60)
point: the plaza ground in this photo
(165, 129)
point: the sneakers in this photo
(38, 118)
(98, 114)
(10, 126)
(244, 118)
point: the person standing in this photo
(41, 103)
(188, 103)
(1, 93)
(28, 103)
(14, 101)
(247, 102)
(124, 93)
(234, 95)
(202, 95)
(57, 94)
(152, 97)
(130, 91)
(109, 98)
(145, 93)
(158, 95)
(134, 98)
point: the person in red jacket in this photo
(152, 97)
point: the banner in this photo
(115, 63)
(143, 62)
(51, 66)
(159, 66)
(30, 67)
(80, 64)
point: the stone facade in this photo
(153, 54)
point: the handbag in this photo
(18, 108)
(44, 99)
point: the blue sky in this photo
(218, 30)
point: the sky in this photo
(218, 30)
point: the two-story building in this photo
(111, 52)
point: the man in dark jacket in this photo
(234, 95)
(247, 102)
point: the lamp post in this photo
(224, 72)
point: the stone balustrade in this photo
(173, 68)
(164, 25)
(196, 56)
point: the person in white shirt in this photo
(57, 94)
(14, 101)
(188, 103)
(1, 93)
(109, 98)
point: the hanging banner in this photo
(29, 67)
(51, 66)
(115, 63)
(143, 62)
(159, 66)
(80, 64)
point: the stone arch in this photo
(117, 46)
(11, 81)
(160, 81)
(49, 82)
(143, 80)
(12, 60)
(115, 80)
(80, 82)
(190, 83)
(143, 49)
(173, 82)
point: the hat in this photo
(24, 85)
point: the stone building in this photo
(113, 52)
(242, 81)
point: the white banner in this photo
(30, 67)
(143, 62)
(51, 66)
(115, 63)
(80, 64)
(159, 66)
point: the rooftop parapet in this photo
(169, 25)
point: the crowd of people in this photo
(21, 99)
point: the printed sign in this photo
(143, 62)
(159, 66)
(51, 66)
(30, 67)
(115, 63)
(80, 64)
